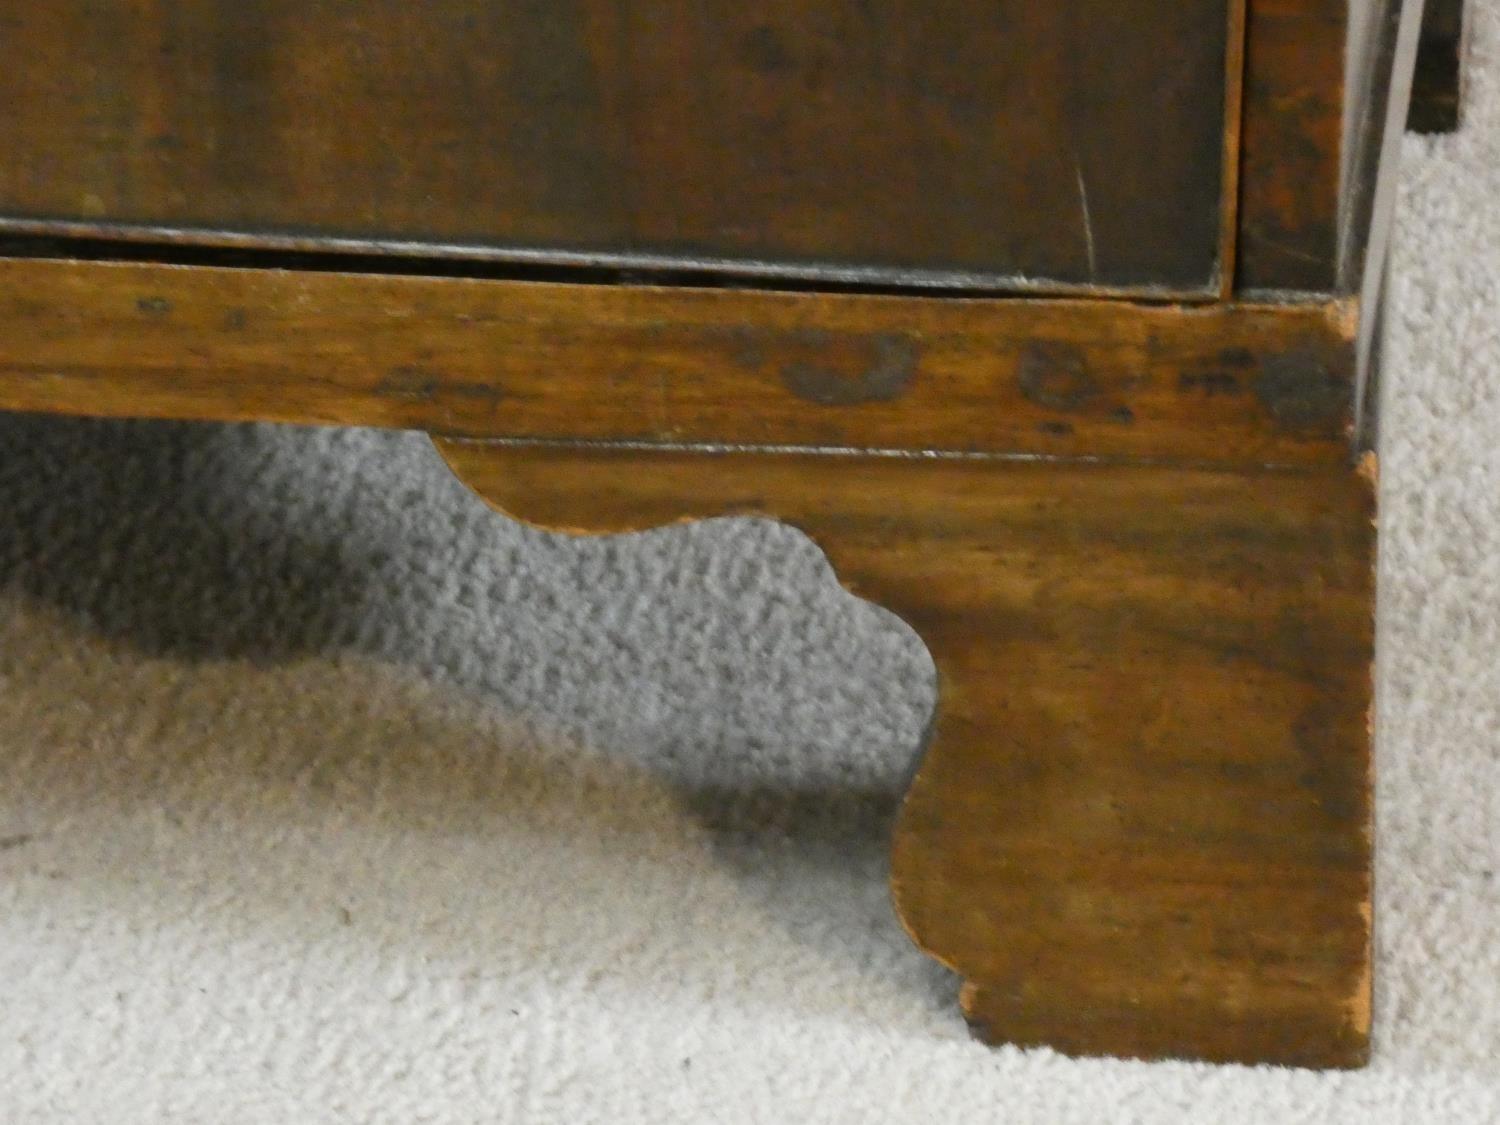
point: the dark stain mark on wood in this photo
(1210, 383)
(1301, 392)
(409, 382)
(235, 320)
(1332, 780)
(1056, 375)
(747, 347)
(887, 365)
(414, 383)
(154, 306)
(1056, 429)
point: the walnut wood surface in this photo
(1292, 145)
(1143, 823)
(1228, 383)
(1074, 143)
(1129, 533)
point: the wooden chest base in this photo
(1142, 825)
(1132, 537)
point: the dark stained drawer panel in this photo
(1008, 143)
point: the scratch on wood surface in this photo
(1088, 218)
(1290, 251)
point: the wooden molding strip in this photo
(1260, 384)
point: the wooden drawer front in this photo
(1005, 142)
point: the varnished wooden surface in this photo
(1293, 145)
(1143, 824)
(1263, 384)
(1129, 534)
(1075, 143)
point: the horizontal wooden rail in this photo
(1240, 384)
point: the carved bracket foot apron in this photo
(1142, 825)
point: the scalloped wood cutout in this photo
(1142, 825)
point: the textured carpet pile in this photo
(327, 795)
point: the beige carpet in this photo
(325, 795)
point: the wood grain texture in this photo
(1224, 384)
(1022, 144)
(1142, 826)
(1233, 154)
(1292, 145)
(1129, 533)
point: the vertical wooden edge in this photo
(1371, 208)
(1291, 166)
(1234, 127)
(1362, 1002)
